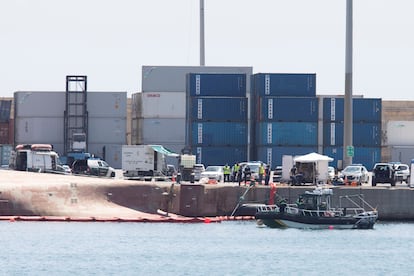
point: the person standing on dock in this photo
(247, 174)
(240, 174)
(267, 175)
(235, 171)
(226, 172)
(261, 172)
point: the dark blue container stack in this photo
(217, 112)
(366, 129)
(285, 116)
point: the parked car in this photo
(254, 168)
(198, 169)
(355, 172)
(213, 172)
(383, 173)
(277, 174)
(331, 173)
(63, 169)
(402, 173)
(93, 166)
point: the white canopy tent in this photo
(319, 168)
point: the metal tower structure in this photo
(76, 114)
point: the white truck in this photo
(144, 160)
(36, 157)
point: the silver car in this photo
(402, 172)
(355, 172)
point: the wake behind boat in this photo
(313, 210)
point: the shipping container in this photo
(160, 131)
(288, 85)
(41, 130)
(272, 155)
(218, 134)
(227, 85)
(216, 155)
(5, 110)
(364, 110)
(107, 104)
(366, 156)
(111, 153)
(287, 133)
(161, 105)
(364, 134)
(107, 130)
(402, 154)
(174, 78)
(287, 109)
(5, 151)
(39, 104)
(399, 133)
(136, 104)
(218, 109)
(4, 132)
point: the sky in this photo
(43, 41)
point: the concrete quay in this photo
(41, 194)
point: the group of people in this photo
(239, 173)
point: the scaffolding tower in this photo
(76, 114)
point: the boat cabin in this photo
(319, 200)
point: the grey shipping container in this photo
(111, 153)
(173, 78)
(161, 105)
(107, 104)
(5, 151)
(39, 104)
(107, 130)
(5, 110)
(43, 130)
(230, 85)
(162, 130)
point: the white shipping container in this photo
(161, 131)
(399, 133)
(107, 130)
(162, 105)
(40, 104)
(173, 78)
(107, 104)
(35, 130)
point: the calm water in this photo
(229, 248)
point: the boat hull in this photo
(282, 220)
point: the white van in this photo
(93, 166)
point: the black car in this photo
(383, 173)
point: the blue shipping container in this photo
(5, 108)
(5, 153)
(289, 85)
(288, 109)
(364, 110)
(228, 85)
(273, 155)
(219, 134)
(364, 134)
(218, 109)
(366, 156)
(210, 156)
(287, 133)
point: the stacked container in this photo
(6, 122)
(159, 111)
(285, 114)
(366, 129)
(217, 118)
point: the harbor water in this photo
(227, 248)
